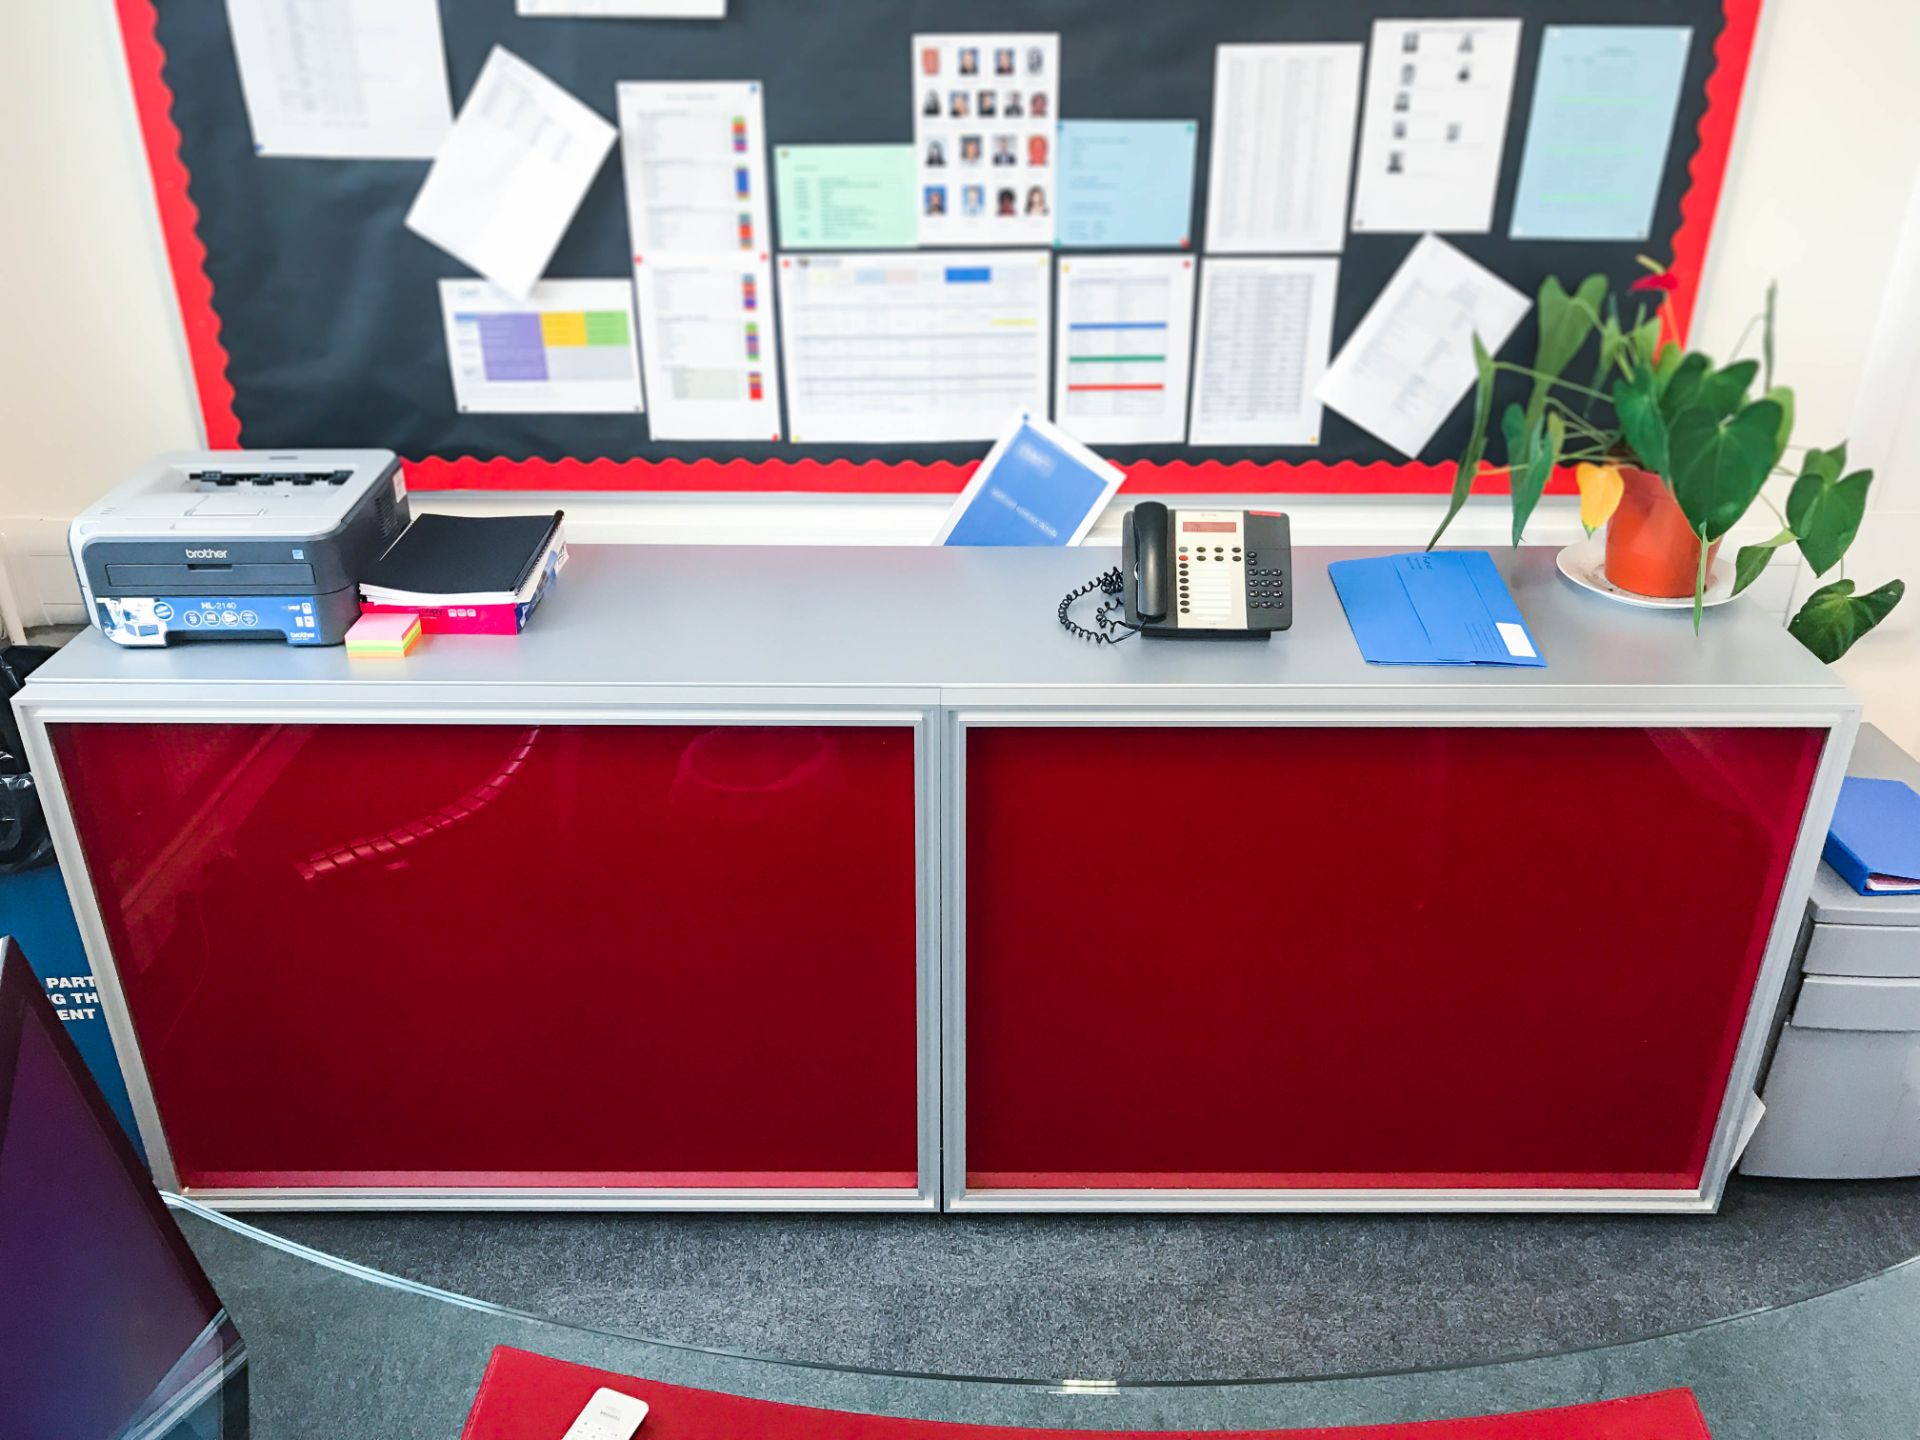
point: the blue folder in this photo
(1447, 607)
(1874, 842)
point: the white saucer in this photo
(1585, 563)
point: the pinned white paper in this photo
(342, 79)
(1283, 126)
(1435, 124)
(506, 184)
(1410, 360)
(1265, 329)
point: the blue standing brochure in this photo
(1037, 486)
(1445, 607)
(1874, 841)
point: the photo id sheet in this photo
(1410, 360)
(1283, 125)
(566, 349)
(912, 346)
(707, 347)
(1265, 329)
(985, 108)
(1434, 124)
(1123, 335)
(342, 79)
(505, 186)
(694, 159)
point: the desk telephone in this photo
(1194, 574)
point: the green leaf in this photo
(1513, 429)
(1666, 364)
(1782, 396)
(1636, 400)
(1700, 583)
(1528, 484)
(1834, 617)
(1717, 465)
(1752, 560)
(1469, 465)
(1566, 321)
(1645, 340)
(1725, 390)
(1824, 510)
(1682, 386)
(1766, 334)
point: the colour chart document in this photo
(1283, 123)
(1410, 359)
(342, 79)
(694, 157)
(1123, 335)
(1265, 329)
(1434, 124)
(566, 349)
(984, 114)
(707, 347)
(505, 186)
(914, 347)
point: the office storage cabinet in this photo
(498, 959)
(1362, 959)
(846, 878)
(1843, 1092)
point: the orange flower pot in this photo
(1651, 550)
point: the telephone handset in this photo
(1205, 574)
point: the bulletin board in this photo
(312, 314)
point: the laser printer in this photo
(238, 545)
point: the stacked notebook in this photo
(467, 575)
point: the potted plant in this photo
(1670, 450)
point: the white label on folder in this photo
(1516, 638)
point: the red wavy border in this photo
(186, 256)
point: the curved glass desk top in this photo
(350, 1350)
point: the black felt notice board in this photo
(327, 311)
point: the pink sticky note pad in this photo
(392, 633)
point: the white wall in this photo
(93, 374)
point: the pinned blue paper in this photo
(1037, 486)
(1874, 843)
(1604, 102)
(1126, 183)
(1447, 607)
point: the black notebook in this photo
(474, 557)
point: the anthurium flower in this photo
(1666, 282)
(1600, 490)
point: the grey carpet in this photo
(1146, 1297)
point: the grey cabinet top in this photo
(878, 626)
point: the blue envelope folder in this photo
(1875, 840)
(1446, 607)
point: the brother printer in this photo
(238, 544)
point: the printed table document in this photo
(845, 197)
(914, 346)
(1604, 100)
(984, 111)
(1127, 183)
(566, 349)
(1123, 334)
(694, 158)
(1435, 124)
(1410, 359)
(1283, 120)
(505, 186)
(1265, 328)
(707, 347)
(342, 79)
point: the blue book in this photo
(1874, 842)
(1037, 486)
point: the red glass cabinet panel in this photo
(1279, 957)
(500, 955)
